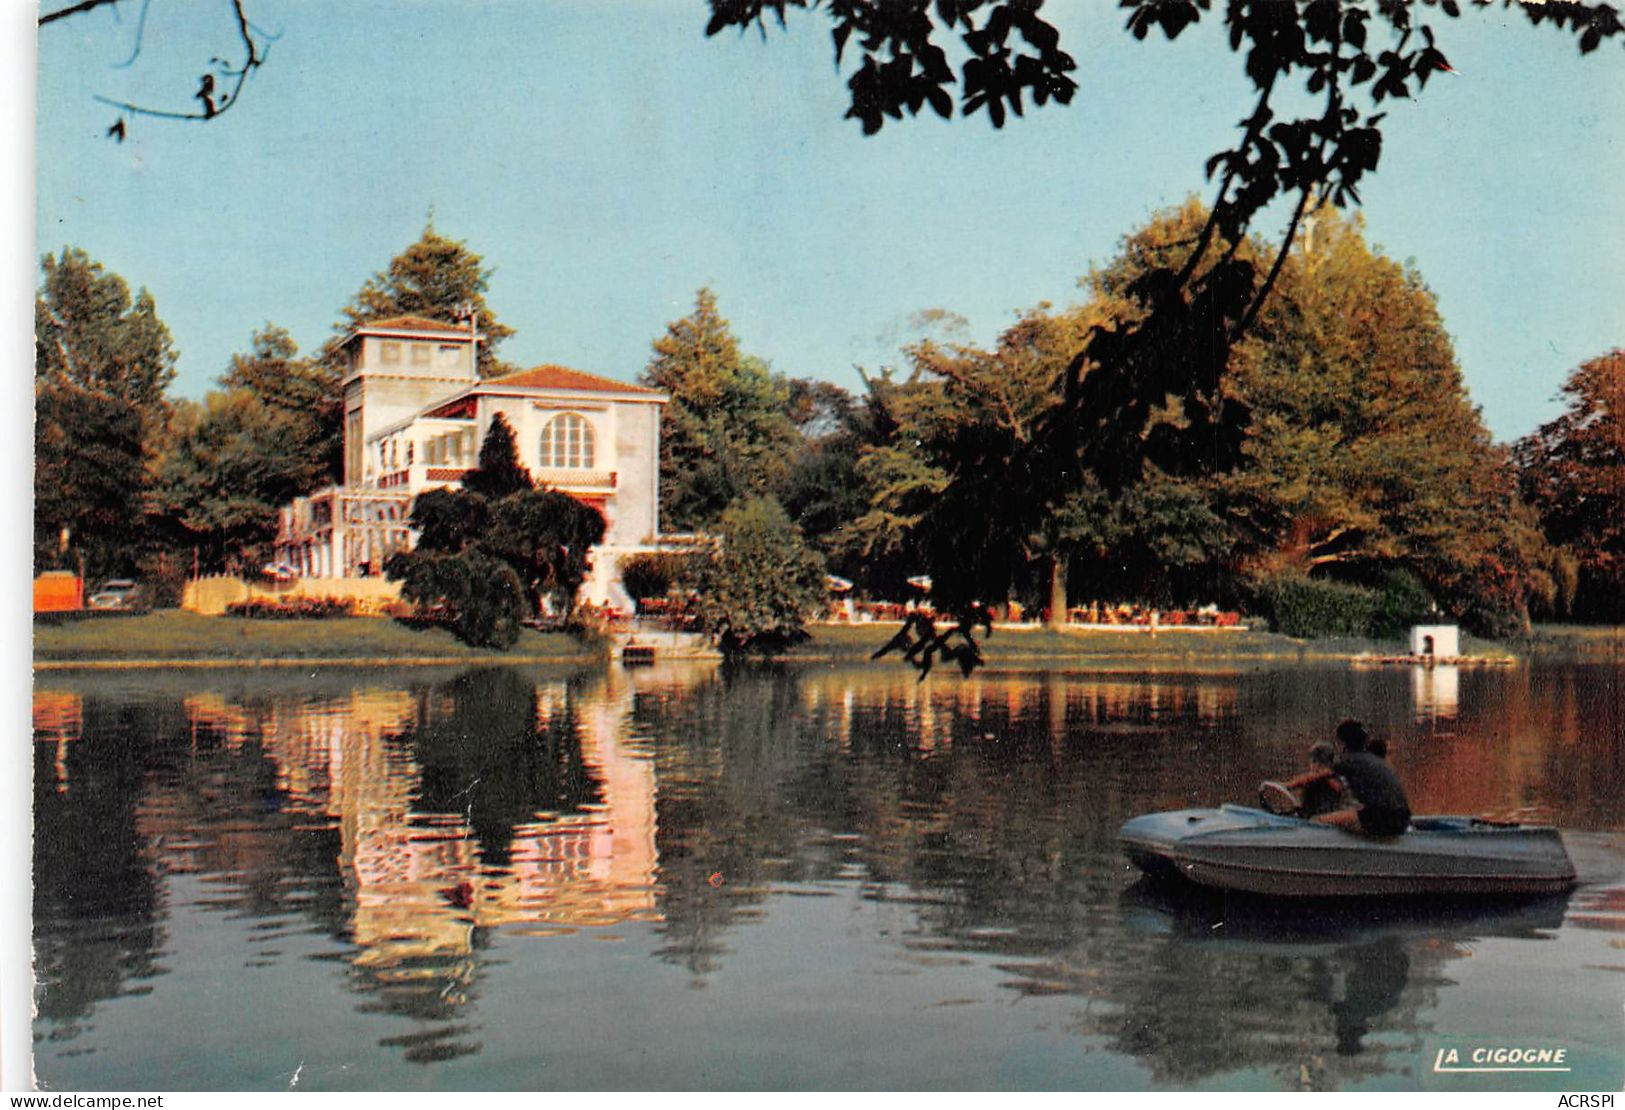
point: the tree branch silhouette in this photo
(1176, 345)
(213, 97)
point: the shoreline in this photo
(173, 639)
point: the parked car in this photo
(116, 593)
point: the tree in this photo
(89, 480)
(102, 363)
(231, 463)
(1198, 305)
(763, 583)
(546, 536)
(304, 390)
(1572, 471)
(436, 278)
(725, 432)
(481, 596)
(219, 86)
(89, 331)
(542, 536)
(1365, 454)
(499, 472)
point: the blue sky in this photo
(608, 159)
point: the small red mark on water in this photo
(715, 879)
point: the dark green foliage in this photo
(499, 473)
(725, 434)
(448, 521)
(479, 597)
(88, 479)
(88, 330)
(1306, 607)
(292, 609)
(1402, 600)
(763, 583)
(432, 278)
(230, 464)
(305, 391)
(656, 574)
(102, 363)
(546, 537)
(541, 537)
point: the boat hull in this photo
(1251, 851)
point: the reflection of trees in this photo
(485, 753)
(725, 749)
(87, 784)
(143, 788)
(993, 811)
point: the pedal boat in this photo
(1237, 848)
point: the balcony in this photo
(576, 481)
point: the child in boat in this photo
(1323, 793)
(1381, 807)
(1321, 790)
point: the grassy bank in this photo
(173, 635)
(1033, 642)
(1574, 641)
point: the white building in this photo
(415, 415)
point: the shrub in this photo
(1402, 600)
(655, 574)
(163, 581)
(292, 608)
(479, 598)
(1307, 607)
(763, 582)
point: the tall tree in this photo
(435, 278)
(102, 363)
(725, 432)
(231, 463)
(1314, 145)
(1365, 453)
(499, 472)
(89, 331)
(304, 390)
(1572, 470)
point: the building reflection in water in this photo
(410, 824)
(461, 807)
(1436, 693)
(487, 801)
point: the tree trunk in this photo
(1057, 592)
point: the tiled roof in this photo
(562, 377)
(410, 323)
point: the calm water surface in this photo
(780, 878)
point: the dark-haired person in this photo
(1381, 807)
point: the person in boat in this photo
(1381, 807)
(1319, 787)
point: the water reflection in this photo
(415, 833)
(1436, 692)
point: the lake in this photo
(786, 877)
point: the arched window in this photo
(567, 441)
